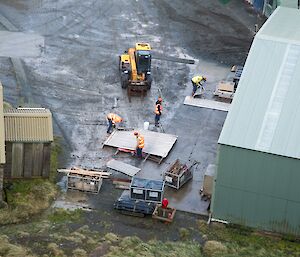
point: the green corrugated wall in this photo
(258, 190)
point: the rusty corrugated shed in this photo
(28, 125)
(2, 146)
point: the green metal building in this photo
(258, 167)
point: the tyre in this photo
(149, 81)
(124, 80)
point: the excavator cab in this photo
(135, 66)
(143, 58)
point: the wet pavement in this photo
(77, 75)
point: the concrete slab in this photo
(205, 103)
(205, 125)
(122, 167)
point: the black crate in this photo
(147, 190)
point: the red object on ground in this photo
(126, 150)
(164, 203)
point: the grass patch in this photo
(65, 216)
(31, 196)
(133, 246)
(242, 241)
(12, 250)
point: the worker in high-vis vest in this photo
(112, 119)
(197, 82)
(158, 111)
(140, 143)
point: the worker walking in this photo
(140, 143)
(112, 119)
(197, 82)
(158, 111)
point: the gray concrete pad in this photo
(18, 44)
(198, 131)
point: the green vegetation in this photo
(133, 246)
(12, 250)
(61, 232)
(232, 241)
(65, 216)
(29, 197)
(26, 198)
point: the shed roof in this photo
(2, 145)
(265, 112)
(28, 125)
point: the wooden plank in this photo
(46, 160)
(28, 154)
(7, 165)
(158, 144)
(205, 103)
(37, 160)
(78, 171)
(123, 187)
(122, 167)
(121, 183)
(17, 160)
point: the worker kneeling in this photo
(140, 143)
(112, 119)
(198, 82)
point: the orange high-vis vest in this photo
(156, 109)
(114, 117)
(140, 141)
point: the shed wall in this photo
(257, 189)
(27, 160)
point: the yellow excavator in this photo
(135, 66)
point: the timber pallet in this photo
(83, 180)
(164, 214)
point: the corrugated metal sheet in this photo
(28, 125)
(2, 145)
(257, 189)
(265, 113)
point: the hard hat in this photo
(135, 133)
(160, 99)
(204, 78)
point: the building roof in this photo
(265, 112)
(28, 125)
(2, 145)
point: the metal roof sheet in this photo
(282, 26)
(2, 145)
(265, 112)
(28, 125)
